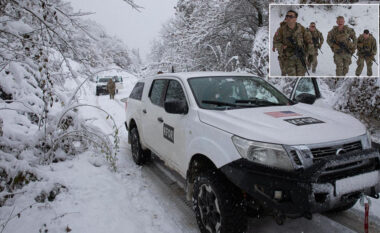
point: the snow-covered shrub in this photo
(223, 60)
(197, 37)
(361, 96)
(260, 56)
(285, 85)
(43, 45)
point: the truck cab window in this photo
(305, 85)
(157, 92)
(175, 92)
(137, 91)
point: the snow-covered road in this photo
(134, 199)
(170, 196)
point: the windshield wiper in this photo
(259, 102)
(219, 103)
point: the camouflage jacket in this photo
(317, 39)
(366, 46)
(278, 47)
(346, 37)
(299, 34)
(111, 86)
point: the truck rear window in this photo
(137, 91)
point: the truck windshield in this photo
(103, 80)
(222, 93)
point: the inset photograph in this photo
(324, 40)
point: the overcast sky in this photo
(137, 29)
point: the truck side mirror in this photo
(306, 98)
(176, 107)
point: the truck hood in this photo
(268, 124)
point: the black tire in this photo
(218, 205)
(97, 93)
(343, 207)
(139, 155)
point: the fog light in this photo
(278, 195)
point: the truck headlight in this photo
(272, 155)
(366, 141)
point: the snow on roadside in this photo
(94, 198)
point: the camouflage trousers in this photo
(342, 62)
(294, 67)
(281, 61)
(112, 94)
(360, 64)
(312, 61)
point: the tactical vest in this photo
(366, 45)
(341, 36)
(296, 34)
(316, 35)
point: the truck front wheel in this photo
(343, 207)
(139, 155)
(218, 205)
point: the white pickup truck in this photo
(245, 149)
(101, 84)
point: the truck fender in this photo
(219, 155)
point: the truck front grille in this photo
(346, 170)
(323, 152)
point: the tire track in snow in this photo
(107, 121)
(319, 223)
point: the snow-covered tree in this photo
(209, 35)
(43, 44)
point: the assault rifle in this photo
(315, 42)
(300, 54)
(368, 54)
(343, 46)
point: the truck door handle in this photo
(160, 119)
(144, 111)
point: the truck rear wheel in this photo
(218, 205)
(139, 155)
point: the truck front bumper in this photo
(329, 183)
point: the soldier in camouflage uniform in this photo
(342, 41)
(280, 51)
(317, 37)
(367, 50)
(293, 31)
(111, 88)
